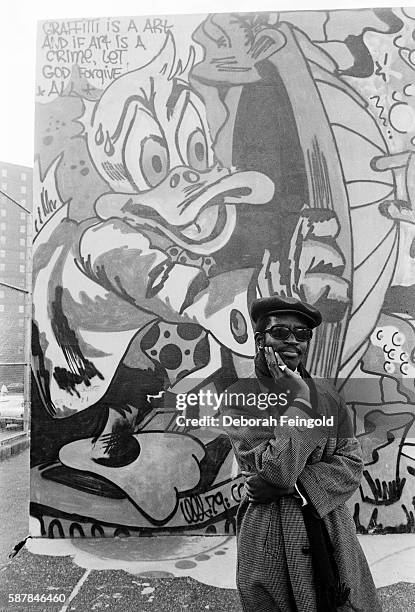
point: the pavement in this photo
(167, 573)
(14, 502)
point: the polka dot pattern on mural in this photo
(192, 259)
(180, 349)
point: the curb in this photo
(14, 446)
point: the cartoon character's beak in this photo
(192, 212)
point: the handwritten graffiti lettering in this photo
(55, 72)
(199, 508)
(80, 26)
(113, 57)
(157, 26)
(65, 56)
(100, 74)
(236, 490)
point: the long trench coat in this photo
(274, 571)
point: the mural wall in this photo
(185, 165)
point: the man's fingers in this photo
(272, 362)
(280, 362)
(252, 491)
(276, 359)
(270, 354)
(262, 492)
(260, 501)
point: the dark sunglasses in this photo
(281, 332)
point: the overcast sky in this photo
(18, 48)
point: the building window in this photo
(4, 172)
(21, 309)
(23, 189)
(21, 322)
(22, 216)
(1, 307)
(22, 269)
(4, 186)
(2, 226)
(3, 212)
(22, 229)
(22, 255)
(22, 242)
(23, 176)
(23, 203)
(1, 294)
(2, 267)
(2, 253)
(2, 239)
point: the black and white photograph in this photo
(207, 306)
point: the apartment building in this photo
(15, 244)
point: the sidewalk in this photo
(168, 573)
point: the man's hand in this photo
(289, 380)
(261, 491)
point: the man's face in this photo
(291, 350)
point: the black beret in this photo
(275, 304)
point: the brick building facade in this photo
(15, 243)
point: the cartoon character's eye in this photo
(197, 150)
(192, 139)
(154, 160)
(146, 155)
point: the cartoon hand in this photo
(234, 44)
(269, 278)
(317, 264)
(403, 164)
(398, 210)
(385, 492)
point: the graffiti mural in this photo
(186, 165)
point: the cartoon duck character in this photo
(110, 278)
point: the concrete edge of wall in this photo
(13, 446)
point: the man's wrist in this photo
(299, 408)
(303, 402)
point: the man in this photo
(297, 545)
